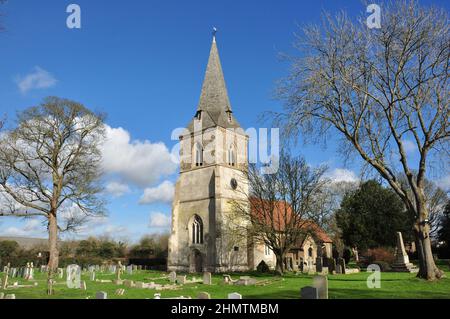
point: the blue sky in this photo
(143, 62)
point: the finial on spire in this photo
(214, 34)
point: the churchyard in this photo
(143, 284)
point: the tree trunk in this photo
(53, 251)
(427, 267)
(279, 268)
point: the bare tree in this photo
(378, 89)
(280, 207)
(49, 166)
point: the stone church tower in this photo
(213, 156)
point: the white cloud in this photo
(162, 193)
(342, 175)
(32, 228)
(409, 146)
(444, 183)
(159, 220)
(37, 79)
(117, 189)
(139, 162)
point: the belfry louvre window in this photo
(198, 155)
(230, 156)
(197, 230)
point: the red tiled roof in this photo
(282, 214)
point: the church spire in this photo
(214, 95)
(214, 108)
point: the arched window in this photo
(310, 252)
(197, 230)
(231, 156)
(198, 155)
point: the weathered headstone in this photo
(130, 269)
(173, 276)
(203, 295)
(92, 276)
(309, 293)
(207, 278)
(321, 284)
(73, 276)
(83, 285)
(101, 295)
(234, 295)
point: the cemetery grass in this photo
(353, 286)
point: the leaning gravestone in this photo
(321, 284)
(234, 295)
(101, 295)
(207, 278)
(309, 293)
(203, 295)
(73, 276)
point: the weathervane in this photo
(214, 33)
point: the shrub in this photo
(263, 267)
(347, 255)
(380, 254)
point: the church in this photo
(213, 160)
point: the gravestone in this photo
(341, 262)
(10, 296)
(73, 276)
(130, 269)
(92, 276)
(181, 279)
(101, 295)
(331, 266)
(319, 267)
(338, 268)
(83, 285)
(207, 278)
(173, 276)
(234, 295)
(309, 293)
(203, 295)
(321, 284)
(157, 296)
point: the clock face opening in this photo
(233, 183)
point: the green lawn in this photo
(393, 285)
